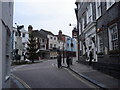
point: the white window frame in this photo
(100, 44)
(98, 9)
(55, 45)
(83, 23)
(109, 3)
(112, 41)
(89, 13)
(79, 5)
(51, 45)
(80, 28)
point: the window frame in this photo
(89, 13)
(16, 33)
(23, 35)
(114, 40)
(98, 9)
(51, 45)
(109, 3)
(51, 37)
(83, 23)
(100, 43)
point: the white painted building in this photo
(53, 45)
(6, 24)
(20, 42)
(53, 41)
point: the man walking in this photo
(59, 60)
(91, 57)
(68, 61)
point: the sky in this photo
(51, 15)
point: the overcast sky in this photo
(51, 15)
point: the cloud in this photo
(47, 14)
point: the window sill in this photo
(114, 55)
(100, 56)
(98, 17)
(110, 7)
(7, 78)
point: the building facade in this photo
(19, 42)
(99, 31)
(108, 38)
(42, 43)
(70, 46)
(49, 44)
(52, 43)
(6, 24)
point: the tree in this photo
(31, 49)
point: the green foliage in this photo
(32, 50)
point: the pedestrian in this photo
(59, 60)
(71, 61)
(68, 61)
(91, 57)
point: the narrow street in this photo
(47, 75)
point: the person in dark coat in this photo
(71, 61)
(68, 61)
(59, 60)
(91, 57)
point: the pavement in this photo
(98, 78)
(17, 84)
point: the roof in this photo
(37, 33)
(66, 35)
(46, 32)
(22, 30)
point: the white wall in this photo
(52, 41)
(0, 46)
(6, 19)
(43, 43)
(20, 40)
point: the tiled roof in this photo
(38, 34)
(47, 32)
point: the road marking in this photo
(22, 82)
(83, 80)
(33, 68)
(54, 64)
(17, 67)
